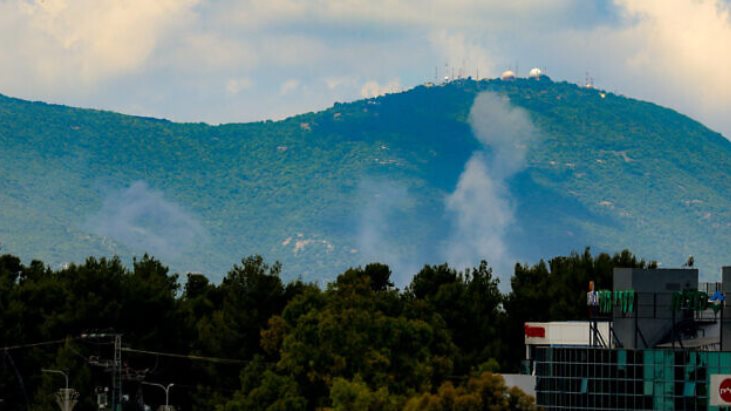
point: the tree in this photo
(251, 293)
(275, 393)
(355, 395)
(486, 391)
(470, 305)
(354, 329)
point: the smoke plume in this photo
(383, 204)
(481, 206)
(143, 220)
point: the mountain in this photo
(406, 178)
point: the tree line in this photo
(255, 342)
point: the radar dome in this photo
(507, 75)
(535, 73)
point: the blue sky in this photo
(231, 61)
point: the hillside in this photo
(362, 181)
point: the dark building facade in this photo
(574, 378)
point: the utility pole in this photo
(117, 374)
(66, 398)
(114, 366)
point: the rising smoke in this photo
(382, 202)
(481, 206)
(143, 220)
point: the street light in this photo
(65, 398)
(65, 376)
(166, 389)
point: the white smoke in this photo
(382, 201)
(143, 220)
(481, 205)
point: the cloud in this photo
(289, 86)
(169, 58)
(481, 205)
(203, 52)
(145, 221)
(374, 89)
(235, 86)
(668, 52)
(678, 52)
(467, 58)
(334, 82)
(255, 15)
(82, 41)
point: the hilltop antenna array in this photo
(588, 81)
(450, 73)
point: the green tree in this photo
(470, 304)
(354, 328)
(355, 395)
(486, 391)
(275, 392)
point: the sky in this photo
(237, 60)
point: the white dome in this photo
(507, 75)
(535, 73)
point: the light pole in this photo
(65, 376)
(166, 389)
(65, 398)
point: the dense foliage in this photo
(253, 342)
(607, 170)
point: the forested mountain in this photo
(406, 179)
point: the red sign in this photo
(540, 332)
(724, 390)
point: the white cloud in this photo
(670, 52)
(463, 57)
(255, 15)
(374, 89)
(235, 86)
(55, 42)
(680, 52)
(289, 86)
(335, 82)
(147, 55)
(209, 53)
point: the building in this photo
(658, 340)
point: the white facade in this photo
(564, 333)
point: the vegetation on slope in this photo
(310, 190)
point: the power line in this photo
(17, 347)
(189, 357)
(133, 350)
(19, 377)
